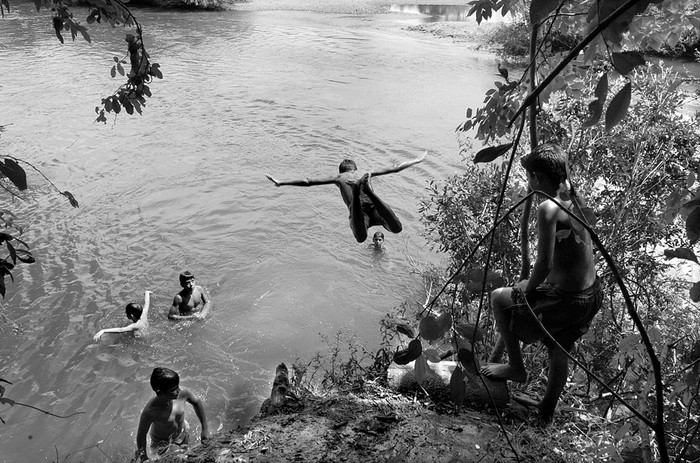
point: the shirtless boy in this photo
(191, 302)
(366, 208)
(164, 415)
(138, 314)
(563, 288)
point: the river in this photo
(183, 186)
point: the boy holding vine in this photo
(563, 290)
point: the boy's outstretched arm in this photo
(399, 167)
(206, 305)
(123, 329)
(303, 182)
(198, 406)
(141, 447)
(146, 304)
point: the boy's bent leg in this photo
(556, 380)
(514, 370)
(357, 216)
(498, 350)
(392, 222)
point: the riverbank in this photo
(373, 424)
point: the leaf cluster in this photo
(131, 96)
(441, 336)
(457, 212)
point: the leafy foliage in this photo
(131, 96)
(634, 156)
(13, 180)
(457, 213)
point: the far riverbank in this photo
(387, 16)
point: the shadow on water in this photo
(435, 13)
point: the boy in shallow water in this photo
(192, 302)
(378, 242)
(164, 415)
(138, 314)
(563, 289)
(365, 207)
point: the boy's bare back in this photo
(345, 182)
(573, 266)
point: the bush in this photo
(637, 177)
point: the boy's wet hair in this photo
(548, 159)
(185, 276)
(134, 309)
(347, 165)
(378, 234)
(163, 379)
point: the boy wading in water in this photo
(164, 415)
(191, 302)
(563, 289)
(138, 314)
(366, 208)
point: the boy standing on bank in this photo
(164, 415)
(563, 289)
(365, 207)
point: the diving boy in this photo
(366, 208)
(138, 314)
(164, 415)
(563, 289)
(191, 302)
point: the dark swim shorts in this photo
(566, 315)
(369, 210)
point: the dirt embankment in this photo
(375, 425)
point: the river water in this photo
(183, 187)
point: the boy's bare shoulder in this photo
(345, 177)
(548, 209)
(186, 394)
(150, 408)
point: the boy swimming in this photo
(137, 313)
(378, 242)
(191, 302)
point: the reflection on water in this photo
(435, 12)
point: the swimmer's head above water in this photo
(378, 240)
(185, 278)
(133, 311)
